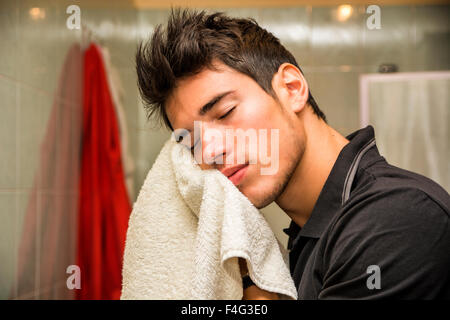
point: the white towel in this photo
(186, 231)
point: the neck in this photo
(322, 147)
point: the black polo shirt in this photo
(386, 234)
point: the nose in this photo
(214, 149)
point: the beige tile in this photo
(26, 281)
(393, 43)
(9, 36)
(9, 106)
(336, 93)
(148, 20)
(43, 43)
(333, 42)
(34, 109)
(8, 243)
(431, 34)
(292, 26)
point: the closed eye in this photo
(226, 114)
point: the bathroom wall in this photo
(35, 41)
(33, 48)
(331, 53)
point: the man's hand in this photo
(253, 292)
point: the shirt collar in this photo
(329, 201)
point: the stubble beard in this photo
(285, 176)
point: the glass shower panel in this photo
(410, 113)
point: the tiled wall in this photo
(332, 54)
(31, 53)
(31, 58)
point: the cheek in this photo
(256, 114)
(263, 114)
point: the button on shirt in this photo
(388, 238)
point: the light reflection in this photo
(37, 13)
(344, 12)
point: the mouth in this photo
(236, 174)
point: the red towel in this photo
(104, 207)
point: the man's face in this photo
(246, 134)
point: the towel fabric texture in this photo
(186, 231)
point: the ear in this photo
(291, 87)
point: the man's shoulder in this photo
(391, 189)
(403, 231)
(396, 220)
(386, 199)
(395, 204)
(391, 203)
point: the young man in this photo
(360, 228)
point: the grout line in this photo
(18, 173)
(65, 192)
(17, 213)
(40, 91)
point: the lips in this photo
(235, 173)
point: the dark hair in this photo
(190, 43)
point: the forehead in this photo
(193, 92)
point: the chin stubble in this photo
(286, 177)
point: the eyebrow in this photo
(208, 106)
